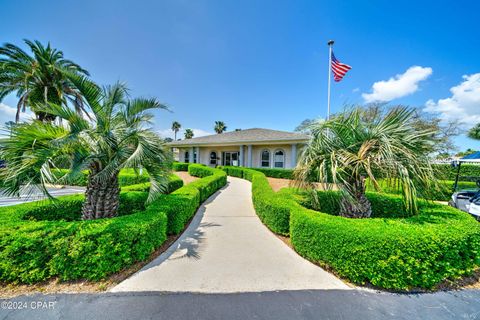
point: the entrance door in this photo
(230, 159)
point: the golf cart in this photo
(466, 200)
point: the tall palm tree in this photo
(474, 133)
(176, 126)
(188, 134)
(220, 127)
(117, 137)
(38, 78)
(346, 150)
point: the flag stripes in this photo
(339, 69)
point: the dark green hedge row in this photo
(272, 173)
(126, 177)
(182, 204)
(174, 183)
(468, 172)
(391, 206)
(393, 253)
(33, 251)
(180, 166)
(402, 254)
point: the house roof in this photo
(247, 136)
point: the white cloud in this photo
(356, 90)
(168, 133)
(7, 113)
(463, 105)
(399, 86)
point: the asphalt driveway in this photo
(288, 305)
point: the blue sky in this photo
(264, 63)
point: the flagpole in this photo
(330, 44)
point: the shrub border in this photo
(33, 251)
(396, 254)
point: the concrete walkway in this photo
(227, 249)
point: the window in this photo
(279, 159)
(213, 158)
(194, 156)
(187, 159)
(265, 159)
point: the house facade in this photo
(253, 148)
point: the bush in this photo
(389, 252)
(383, 205)
(277, 173)
(174, 183)
(180, 166)
(126, 177)
(56, 245)
(416, 252)
(273, 173)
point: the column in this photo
(293, 156)
(249, 156)
(190, 155)
(198, 154)
(240, 160)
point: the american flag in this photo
(339, 69)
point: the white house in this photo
(254, 148)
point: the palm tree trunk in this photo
(357, 204)
(102, 198)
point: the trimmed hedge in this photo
(389, 252)
(272, 173)
(174, 183)
(33, 251)
(180, 166)
(126, 177)
(402, 254)
(182, 204)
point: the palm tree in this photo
(474, 133)
(175, 128)
(220, 127)
(117, 137)
(346, 150)
(38, 78)
(188, 134)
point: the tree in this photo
(305, 125)
(347, 149)
(168, 140)
(175, 128)
(9, 126)
(442, 132)
(189, 134)
(465, 153)
(38, 78)
(117, 137)
(474, 133)
(220, 127)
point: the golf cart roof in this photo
(474, 157)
